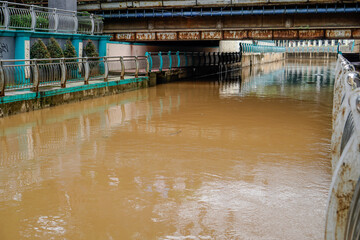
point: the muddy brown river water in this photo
(238, 156)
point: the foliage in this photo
(39, 51)
(69, 51)
(55, 49)
(90, 49)
(24, 21)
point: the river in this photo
(244, 155)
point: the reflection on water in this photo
(241, 156)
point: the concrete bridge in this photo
(191, 20)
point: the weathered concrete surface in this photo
(10, 105)
(251, 59)
(259, 27)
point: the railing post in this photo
(6, 15)
(147, 70)
(106, 69)
(92, 24)
(170, 60)
(56, 20)
(161, 61)
(33, 18)
(178, 57)
(149, 59)
(63, 73)
(76, 23)
(2, 80)
(122, 76)
(87, 71)
(36, 76)
(137, 67)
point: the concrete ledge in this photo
(25, 101)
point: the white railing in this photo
(35, 73)
(344, 195)
(36, 18)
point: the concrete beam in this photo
(238, 35)
(104, 5)
(279, 27)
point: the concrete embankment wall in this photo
(311, 55)
(252, 59)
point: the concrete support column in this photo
(103, 46)
(70, 5)
(78, 44)
(22, 43)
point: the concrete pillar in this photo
(70, 5)
(78, 44)
(103, 46)
(22, 43)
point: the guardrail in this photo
(322, 49)
(36, 18)
(343, 209)
(159, 61)
(252, 48)
(35, 73)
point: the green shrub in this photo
(39, 51)
(24, 21)
(69, 51)
(90, 49)
(55, 49)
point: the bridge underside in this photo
(260, 27)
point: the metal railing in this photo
(159, 61)
(36, 18)
(310, 49)
(252, 48)
(35, 73)
(343, 202)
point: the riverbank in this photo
(26, 100)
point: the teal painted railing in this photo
(252, 48)
(35, 73)
(322, 49)
(159, 61)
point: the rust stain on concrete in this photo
(260, 34)
(240, 34)
(145, 36)
(189, 35)
(343, 33)
(211, 35)
(311, 34)
(166, 36)
(125, 36)
(285, 34)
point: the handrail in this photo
(345, 142)
(36, 18)
(158, 61)
(32, 74)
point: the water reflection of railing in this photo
(344, 200)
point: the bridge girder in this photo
(258, 27)
(104, 5)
